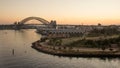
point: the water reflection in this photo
(12, 51)
(90, 58)
(18, 43)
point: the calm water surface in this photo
(16, 52)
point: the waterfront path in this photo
(74, 51)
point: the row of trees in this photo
(100, 43)
(105, 31)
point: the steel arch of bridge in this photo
(45, 22)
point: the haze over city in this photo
(88, 12)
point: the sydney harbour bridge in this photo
(45, 23)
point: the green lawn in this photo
(70, 40)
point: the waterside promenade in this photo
(74, 52)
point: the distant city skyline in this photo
(87, 12)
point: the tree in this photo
(99, 24)
(55, 41)
(103, 48)
(119, 46)
(111, 49)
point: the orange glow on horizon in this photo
(68, 21)
(86, 12)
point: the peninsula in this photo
(96, 42)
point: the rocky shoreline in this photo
(61, 51)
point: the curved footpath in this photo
(73, 52)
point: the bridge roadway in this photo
(25, 26)
(34, 26)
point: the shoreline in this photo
(72, 53)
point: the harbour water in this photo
(16, 52)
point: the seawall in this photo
(59, 51)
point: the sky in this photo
(88, 12)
